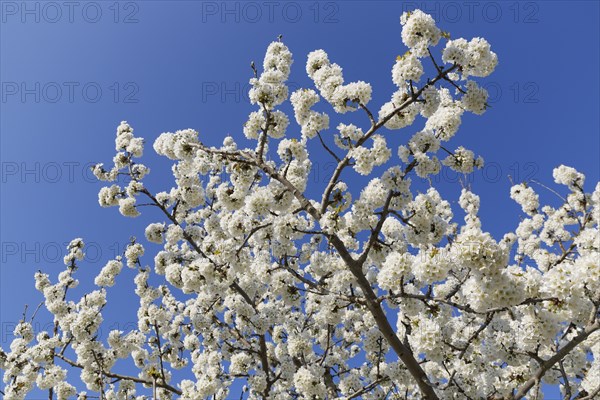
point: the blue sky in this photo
(70, 74)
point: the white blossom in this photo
(419, 32)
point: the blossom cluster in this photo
(329, 80)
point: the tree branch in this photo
(163, 385)
(560, 354)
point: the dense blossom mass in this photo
(259, 289)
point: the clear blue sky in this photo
(71, 73)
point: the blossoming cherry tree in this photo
(360, 292)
